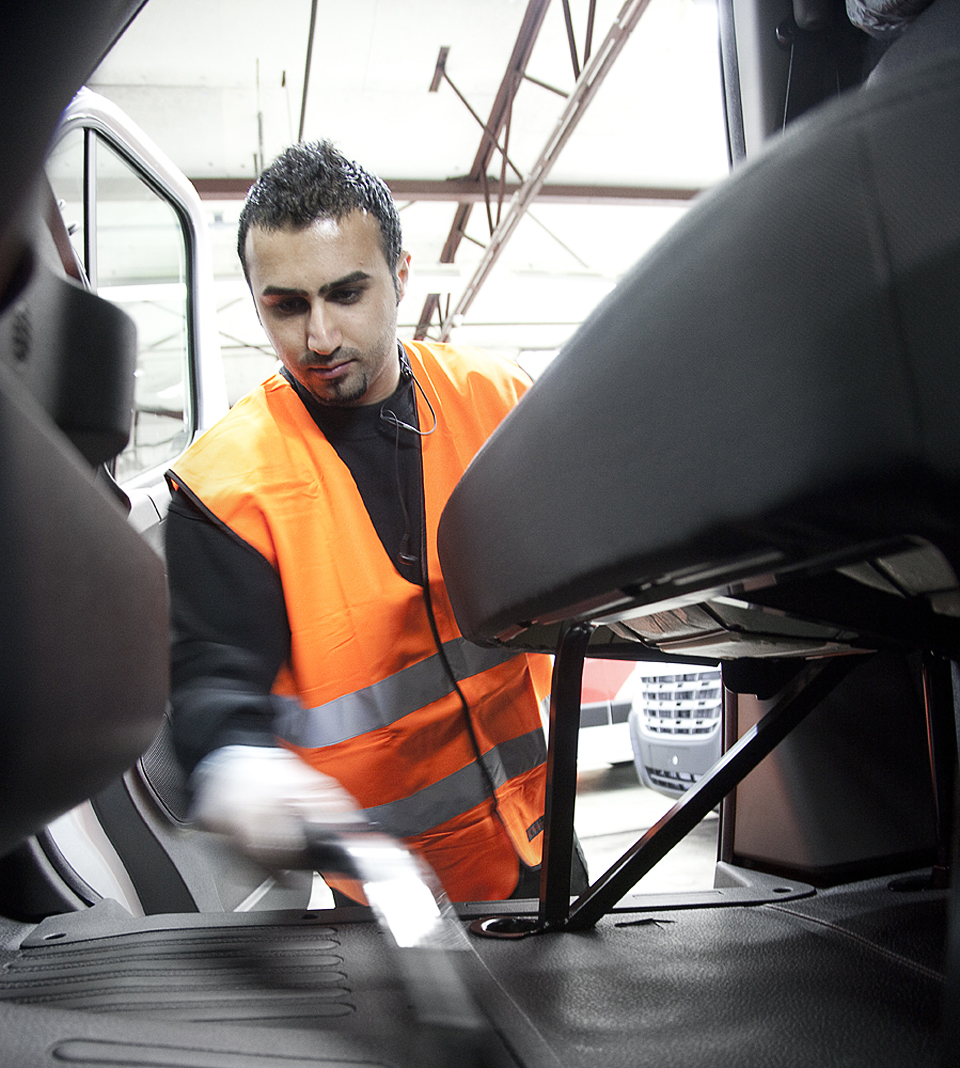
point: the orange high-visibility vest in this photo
(375, 705)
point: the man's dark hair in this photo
(311, 181)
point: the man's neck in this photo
(339, 421)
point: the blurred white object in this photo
(262, 797)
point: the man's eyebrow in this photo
(280, 291)
(323, 291)
(347, 280)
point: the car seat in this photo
(750, 451)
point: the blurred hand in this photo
(262, 797)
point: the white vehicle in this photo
(675, 724)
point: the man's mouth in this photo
(330, 370)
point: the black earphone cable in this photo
(394, 420)
(398, 424)
(442, 653)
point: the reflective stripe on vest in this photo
(461, 791)
(386, 701)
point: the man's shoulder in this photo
(465, 360)
(237, 434)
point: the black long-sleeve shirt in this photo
(230, 633)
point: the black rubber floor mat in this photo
(846, 977)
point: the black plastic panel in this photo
(83, 626)
(772, 385)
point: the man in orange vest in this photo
(317, 670)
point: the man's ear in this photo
(403, 274)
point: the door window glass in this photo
(140, 252)
(132, 245)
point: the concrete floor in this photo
(614, 810)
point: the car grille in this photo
(685, 705)
(675, 782)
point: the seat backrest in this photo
(774, 383)
(83, 628)
(83, 676)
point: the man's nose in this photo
(323, 335)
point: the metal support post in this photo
(558, 834)
(797, 699)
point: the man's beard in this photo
(343, 393)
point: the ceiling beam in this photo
(308, 63)
(499, 118)
(467, 191)
(586, 88)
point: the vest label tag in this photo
(535, 828)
